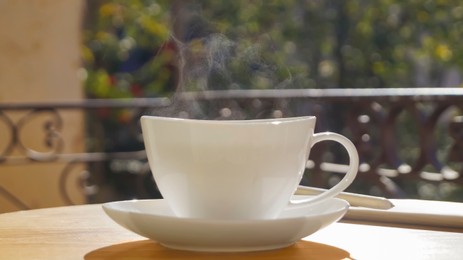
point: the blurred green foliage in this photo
(130, 47)
(125, 52)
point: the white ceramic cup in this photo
(243, 169)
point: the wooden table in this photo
(85, 232)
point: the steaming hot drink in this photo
(237, 169)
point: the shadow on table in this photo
(147, 249)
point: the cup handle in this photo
(344, 182)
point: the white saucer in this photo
(153, 219)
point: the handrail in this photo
(417, 94)
(391, 94)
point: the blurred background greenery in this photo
(129, 46)
(154, 48)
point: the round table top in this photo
(85, 232)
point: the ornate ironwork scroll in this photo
(46, 119)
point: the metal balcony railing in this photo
(410, 141)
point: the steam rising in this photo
(215, 62)
(209, 60)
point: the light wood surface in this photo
(85, 232)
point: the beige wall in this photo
(39, 61)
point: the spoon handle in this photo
(355, 200)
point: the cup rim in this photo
(232, 121)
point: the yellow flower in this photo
(443, 52)
(154, 27)
(87, 54)
(108, 9)
(102, 36)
